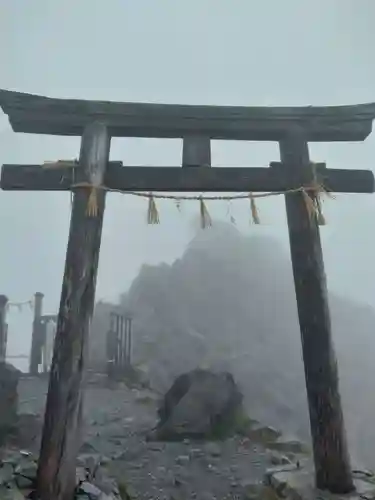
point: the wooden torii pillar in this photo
(97, 122)
(3, 328)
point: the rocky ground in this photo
(118, 420)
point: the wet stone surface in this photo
(117, 424)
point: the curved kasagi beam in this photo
(43, 115)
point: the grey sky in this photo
(244, 52)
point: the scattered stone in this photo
(182, 459)
(156, 446)
(24, 483)
(196, 453)
(199, 404)
(87, 448)
(213, 449)
(89, 489)
(276, 458)
(297, 483)
(26, 432)
(252, 491)
(18, 475)
(286, 445)
(26, 468)
(81, 475)
(263, 434)
(205, 469)
(10, 494)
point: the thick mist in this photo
(229, 303)
(203, 52)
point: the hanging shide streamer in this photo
(319, 213)
(312, 196)
(230, 214)
(152, 212)
(92, 203)
(310, 205)
(313, 204)
(178, 205)
(254, 210)
(205, 217)
(317, 190)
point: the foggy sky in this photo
(238, 52)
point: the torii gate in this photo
(97, 122)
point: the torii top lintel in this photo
(43, 115)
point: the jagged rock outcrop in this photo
(229, 303)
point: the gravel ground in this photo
(117, 421)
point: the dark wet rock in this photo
(213, 449)
(276, 458)
(263, 434)
(12, 493)
(258, 491)
(183, 460)
(18, 478)
(200, 404)
(6, 473)
(9, 377)
(26, 431)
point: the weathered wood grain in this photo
(61, 432)
(331, 457)
(192, 179)
(42, 115)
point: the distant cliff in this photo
(229, 302)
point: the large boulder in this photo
(200, 404)
(9, 377)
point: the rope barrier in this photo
(20, 305)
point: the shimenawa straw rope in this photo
(311, 194)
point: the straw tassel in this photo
(314, 204)
(319, 213)
(309, 202)
(317, 190)
(152, 212)
(254, 210)
(206, 220)
(92, 203)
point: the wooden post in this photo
(196, 151)
(3, 328)
(129, 321)
(36, 347)
(331, 457)
(62, 422)
(111, 346)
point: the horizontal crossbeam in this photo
(189, 179)
(42, 115)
